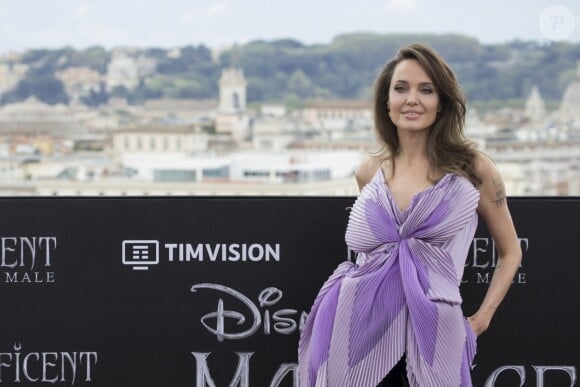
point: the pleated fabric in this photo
(400, 297)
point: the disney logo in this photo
(283, 321)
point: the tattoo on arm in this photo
(499, 188)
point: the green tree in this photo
(45, 88)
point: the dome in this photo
(570, 108)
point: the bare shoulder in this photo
(483, 164)
(366, 170)
(492, 187)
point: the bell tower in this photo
(232, 90)
(231, 117)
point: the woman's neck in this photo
(412, 148)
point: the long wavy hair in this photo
(447, 148)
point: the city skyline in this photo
(38, 24)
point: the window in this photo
(236, 101)
(166, 175)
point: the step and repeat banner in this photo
(193, 292)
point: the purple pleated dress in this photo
(401, 296)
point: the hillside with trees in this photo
(288, 71)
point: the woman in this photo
(394, 318)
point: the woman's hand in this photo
(478, 324)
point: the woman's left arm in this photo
(494, 211)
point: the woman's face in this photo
(413, 99)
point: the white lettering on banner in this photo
(23, 251)
(36, 277)
(141, 254)
(26, 259)
(46, 367)
(539, 370)
(280, 321)
(241, 376)
(234, 252)
(484, 253)
(483, 259)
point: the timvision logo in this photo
(142, 254)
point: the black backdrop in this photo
(77, 310)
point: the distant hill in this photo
(288, 71)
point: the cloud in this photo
(187, 17)
(161, 38)
(191, 15)
(217, 8)
(87, 34)
(83, 11)
(401, 5)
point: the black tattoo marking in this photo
(499, 188)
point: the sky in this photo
(27, 24)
